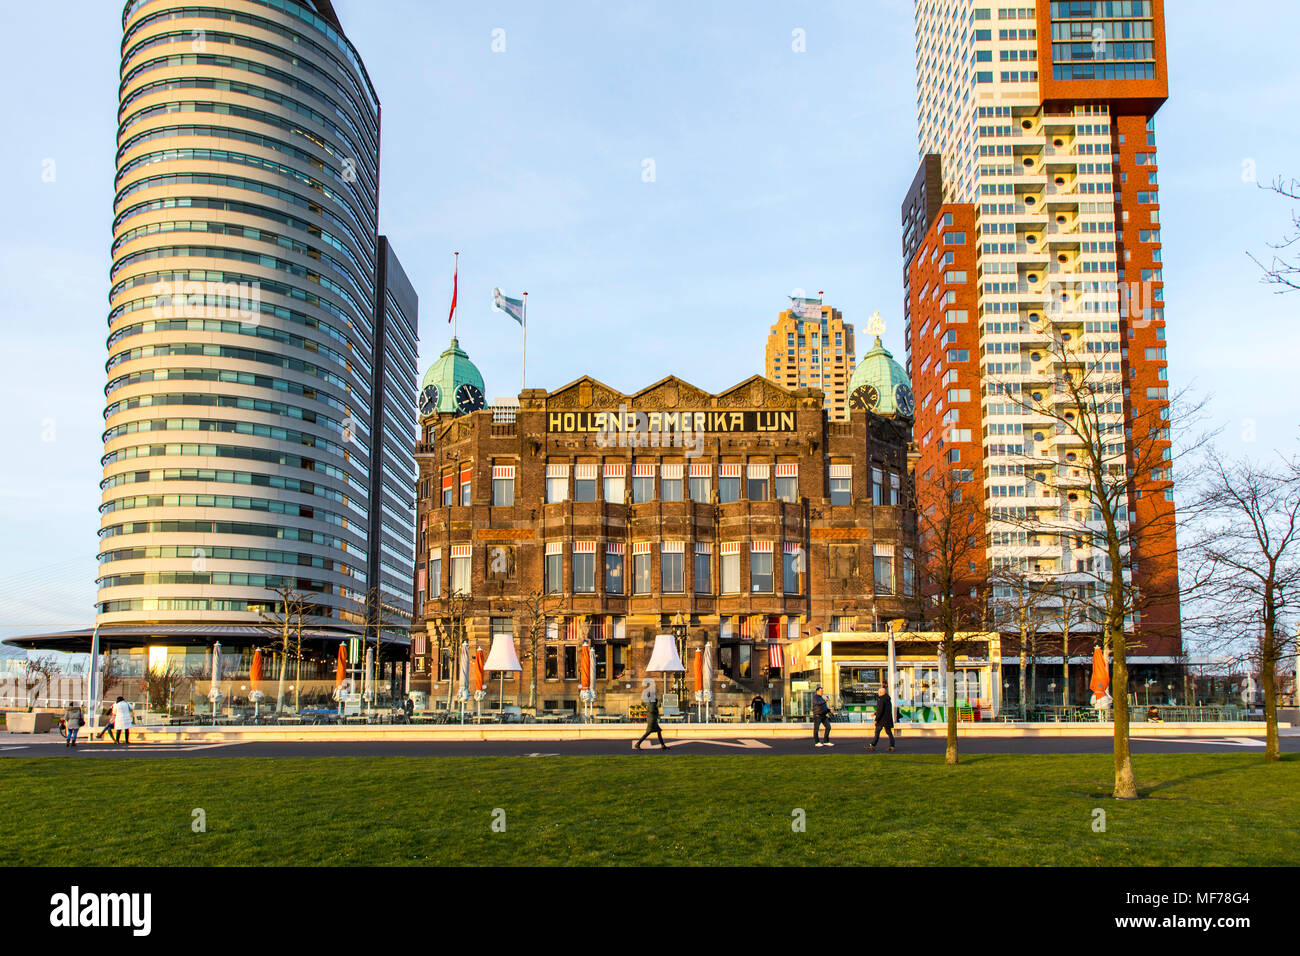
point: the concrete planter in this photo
(21, 722)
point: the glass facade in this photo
(259, 320)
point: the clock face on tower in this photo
(468, 399)
(429, 399)
(903, 399)
(865, 396)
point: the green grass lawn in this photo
(649, 809)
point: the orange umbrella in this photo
(584, 667)
(698, 668)
(1100, 682)
(255, 670)
(478, 669)
(341, 672)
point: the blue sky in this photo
(773, 171)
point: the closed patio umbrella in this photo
(341, 669)
(255, 680)
(697, 673)
(476, 678)
(1100, 681)
(586, 678)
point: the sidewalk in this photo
(720, 731)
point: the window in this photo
(909, 572)
(460, 558)
(729, 484)
(760, 567)
(557, 483)
(791, 568)
(670, 483)
(701, 483)
(435, 573)
(584, 566)
(584, 482)
(554, 567)
(756, 485)
(613, 569)
(466, 476)
(787, 483)
(615, 483)
(503, 485)
(884, 568)
(841, 478)
(671, 571)
(877, 486)
(730, 562)
(643, 483)
(895, 488)
(641, 583)
(570, 662)
(551, 668)
(448, 490)
(703, 568)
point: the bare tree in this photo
(532, 610)
(163, 681)
(449, 631)
(1074, 607)
(283, 622)
(1247, 569)
(1019, 600)
(950, 569)
(1283, 267)
(39, 672)
(1093, 455)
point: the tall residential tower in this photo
(1031, 240)
(811, 346)
(260, 425)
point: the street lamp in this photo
(679, 636)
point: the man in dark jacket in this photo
(884, 719)
(756, 706)
(821, 715)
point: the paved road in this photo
(557, 748)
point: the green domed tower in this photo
(879, 384)
(452, 385)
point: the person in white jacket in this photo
(122, 713)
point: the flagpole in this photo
(455, 311)
(523, 362)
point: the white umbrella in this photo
(92, 680)
(214, 692)
(501, 658)
(370, 675)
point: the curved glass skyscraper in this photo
(259, 412)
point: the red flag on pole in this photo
(455, 279)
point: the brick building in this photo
(747, 519)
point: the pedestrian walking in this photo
(757, 705)
(72, 721)
(821, 714)
(651, 718)
(122, 720)
(108, 725)
(884, 719)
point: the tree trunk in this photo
(950, 653)
(1021, 678)
(1269, 676)
(1065, 665)
(1125, 785)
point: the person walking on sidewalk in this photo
(821, 715)
(884, 719)
(651, 717)
(72, 720)
(122, 714)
